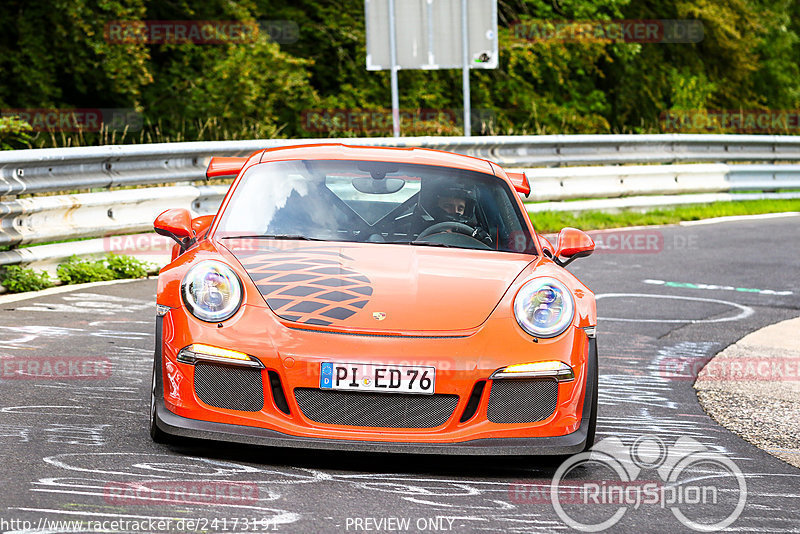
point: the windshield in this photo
(376, 202)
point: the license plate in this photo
(379, 378)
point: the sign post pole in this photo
(431, 35)
(395, 90)
(465, 70)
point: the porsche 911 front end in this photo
(332, 304)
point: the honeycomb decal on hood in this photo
(307, 285)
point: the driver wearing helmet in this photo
(451, 204)
(455, 203)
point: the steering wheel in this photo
(452, 226)
(437, 228)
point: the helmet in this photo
(453, 202)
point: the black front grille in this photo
(225, 386)
(381, 410)
(522, 401)
(473, 402)
(277, 392)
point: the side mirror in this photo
(572, 244)
(176, 224)
(546, 246)
(201, 224)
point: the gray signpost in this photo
(430, 35)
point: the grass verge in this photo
(553, 221)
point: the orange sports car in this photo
(380, 299)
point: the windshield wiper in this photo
(275, 236)
(422, 244)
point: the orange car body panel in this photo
(449, 308)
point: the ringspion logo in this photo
(705, 490)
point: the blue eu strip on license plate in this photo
(377, 377)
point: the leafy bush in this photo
(14, 133)
(18, 280)
(79, 271)
(128, 266)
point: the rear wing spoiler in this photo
(520, 182)
(225, 166)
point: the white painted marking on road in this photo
(47, 409)
(5, 299)
(500, 505)
(745, 311)
(76, 434)
(91, 303)
(89, 389)
(170, 465)
(735, 218)
(24, 335)
(121, 334)
(60, 411)
(14, 431)
(122, 321)
(105, 298)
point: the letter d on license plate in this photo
(379, 378)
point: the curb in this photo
(752, 388)
(6, 298)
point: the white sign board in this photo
(429, 36)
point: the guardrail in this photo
(555, 166)
(57, 169)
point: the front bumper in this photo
(570, 443)
(191, 428)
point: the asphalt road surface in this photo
(78, 449)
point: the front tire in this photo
(590, 434)
(157, 435)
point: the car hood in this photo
(378, 287)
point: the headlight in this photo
(212, 291)
(543, 307)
